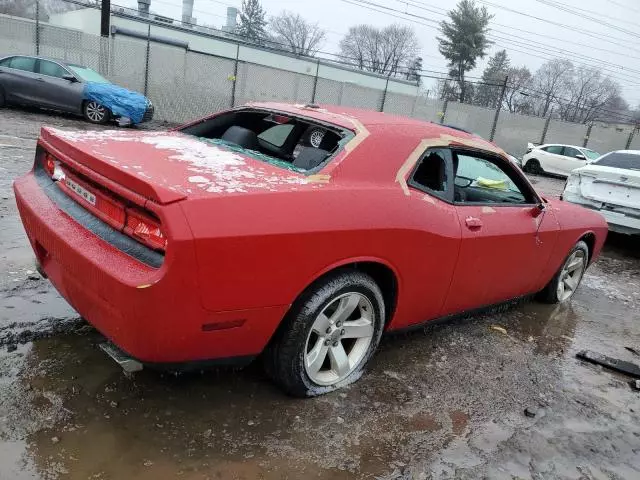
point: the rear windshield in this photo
(628, 161)
(284, 140)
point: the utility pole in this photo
(499, 107)
(105, 13)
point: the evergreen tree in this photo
(464, 39)
(488, 93)
(252, 21)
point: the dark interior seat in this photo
(310, 157)
(431, 173)
(242, 137)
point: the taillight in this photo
(145, 229)
(49, 164)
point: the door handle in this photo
(40, 79)
(473, 223)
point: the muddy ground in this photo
(446, 403)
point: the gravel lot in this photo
(445, 403)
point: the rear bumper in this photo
(617, 221)
(155, 315)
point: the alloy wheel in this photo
(339, 338)
(95, 112)
(571, 274)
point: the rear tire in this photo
(533, 166)
(329, 335)
(3, 98)
(566, 281)
(95, 113)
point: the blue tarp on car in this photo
(121, 102)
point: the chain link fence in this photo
(185, 84)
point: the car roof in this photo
(51, 59)
(560, 145)
(344, 117)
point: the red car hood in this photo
(170, 166)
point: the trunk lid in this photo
(166, 167)
(614, 186)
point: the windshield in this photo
(88, 75)
(590, 154)
(628, 161)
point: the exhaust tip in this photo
(128, 364)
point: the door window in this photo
(571, 152)
(480, 180)
(52, 69)
(555, 149)
(26, 64)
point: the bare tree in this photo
(550, 82)
(516, 99)
(387, 51)
(18, 8)
(589, 92)
(294, 32)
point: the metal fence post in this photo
(146, 61)
(545, 129)
(444, 110)
(499, 107)
(586, 137)
(630, 139)
(37, 27)
(315, 82)
(384, 94)
(234, 79)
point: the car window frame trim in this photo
(450, 179)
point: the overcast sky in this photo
(617, 52)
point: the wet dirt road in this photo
(446, 403)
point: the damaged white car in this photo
(610, 185)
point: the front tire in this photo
(565, 282)
(328, 336)
(3, 98)
(95, 113)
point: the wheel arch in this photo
(590, 239)
(382, 272)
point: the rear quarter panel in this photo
(263, 250)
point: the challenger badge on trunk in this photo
(81, 191)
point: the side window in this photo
(277, 134)
(5, 61)
(571, 152)
(26, 64)
(52, 69)
(480, 180)
(556, 149)
(431, 173)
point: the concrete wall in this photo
(88, 20)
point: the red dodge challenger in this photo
(294, 231)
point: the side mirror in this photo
(581, 157)
(537, 210)
(70, 78)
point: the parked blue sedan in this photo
(67, 87)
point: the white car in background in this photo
(555, 158)
(610, 185)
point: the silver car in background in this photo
(610, 185)
(52, 84)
